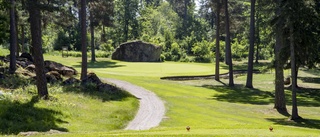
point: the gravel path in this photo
(151, 110)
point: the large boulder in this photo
(27, 56)
(64, 70)
(137, 51)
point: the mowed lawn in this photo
(209, 107)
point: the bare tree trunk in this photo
(17, 34)
(217, 73)
(251, 48)
(258, 34)
(22, 39)
(126, 21)
(84, 64)
(13, 38)
(35, 27)
(228, 45)
(280, 100)
(294, 114)
(93, 55)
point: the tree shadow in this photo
(315, 71)
(244, 66)
(101, 64)
(91, 89)
(310, 80)
(240, 94)
(16, 117)
(308, 97)
(307, 123)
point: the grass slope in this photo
(207, 106)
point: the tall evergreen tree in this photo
(280, 100)
(13, 38)
(35, 28)
(228, 44)
(218, 8)
(84, 63)
(251, 47)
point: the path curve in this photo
(151, 109)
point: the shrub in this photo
(203, 51)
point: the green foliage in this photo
(107, 47)
(99, 53)
(175, 53)
(203, 51)
(3, 51)
(14, 81)
(61, 41)
(5, 24)
(240, 48)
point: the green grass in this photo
(4, 52)
(210, 108)
(207, 106)
(71, 108)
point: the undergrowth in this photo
(70, 108)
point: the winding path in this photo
(151, 110)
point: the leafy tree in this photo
(101, 12)
(126, 20)
(5, 21)
(155, 3)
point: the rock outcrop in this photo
(137, 51)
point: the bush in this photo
(62, 40)
(107, 46)
(203, 51)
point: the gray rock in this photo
(137, 51)
(71, 81)
(63, 70)
(93, 78)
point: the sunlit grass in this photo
(4, 52)
(210, 108)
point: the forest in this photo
(187, 30)
(285, 33)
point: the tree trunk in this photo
(35, 28)
(295, 114)
(251, 48)
(17, 34)
(228, 45)
(185, 17)
(93, 55)
(22, 39)
(126, 21)
(258, 35)
(13, 39)
(280, 100)
(217, 73)
(103, 35)
(84, 64)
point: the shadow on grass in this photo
(307, 97)
(310, 80)
(101, 64)
(92, 90)
(244, 66)
(315, 71)
(307, 123)
(240, 94)
(16, 117)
